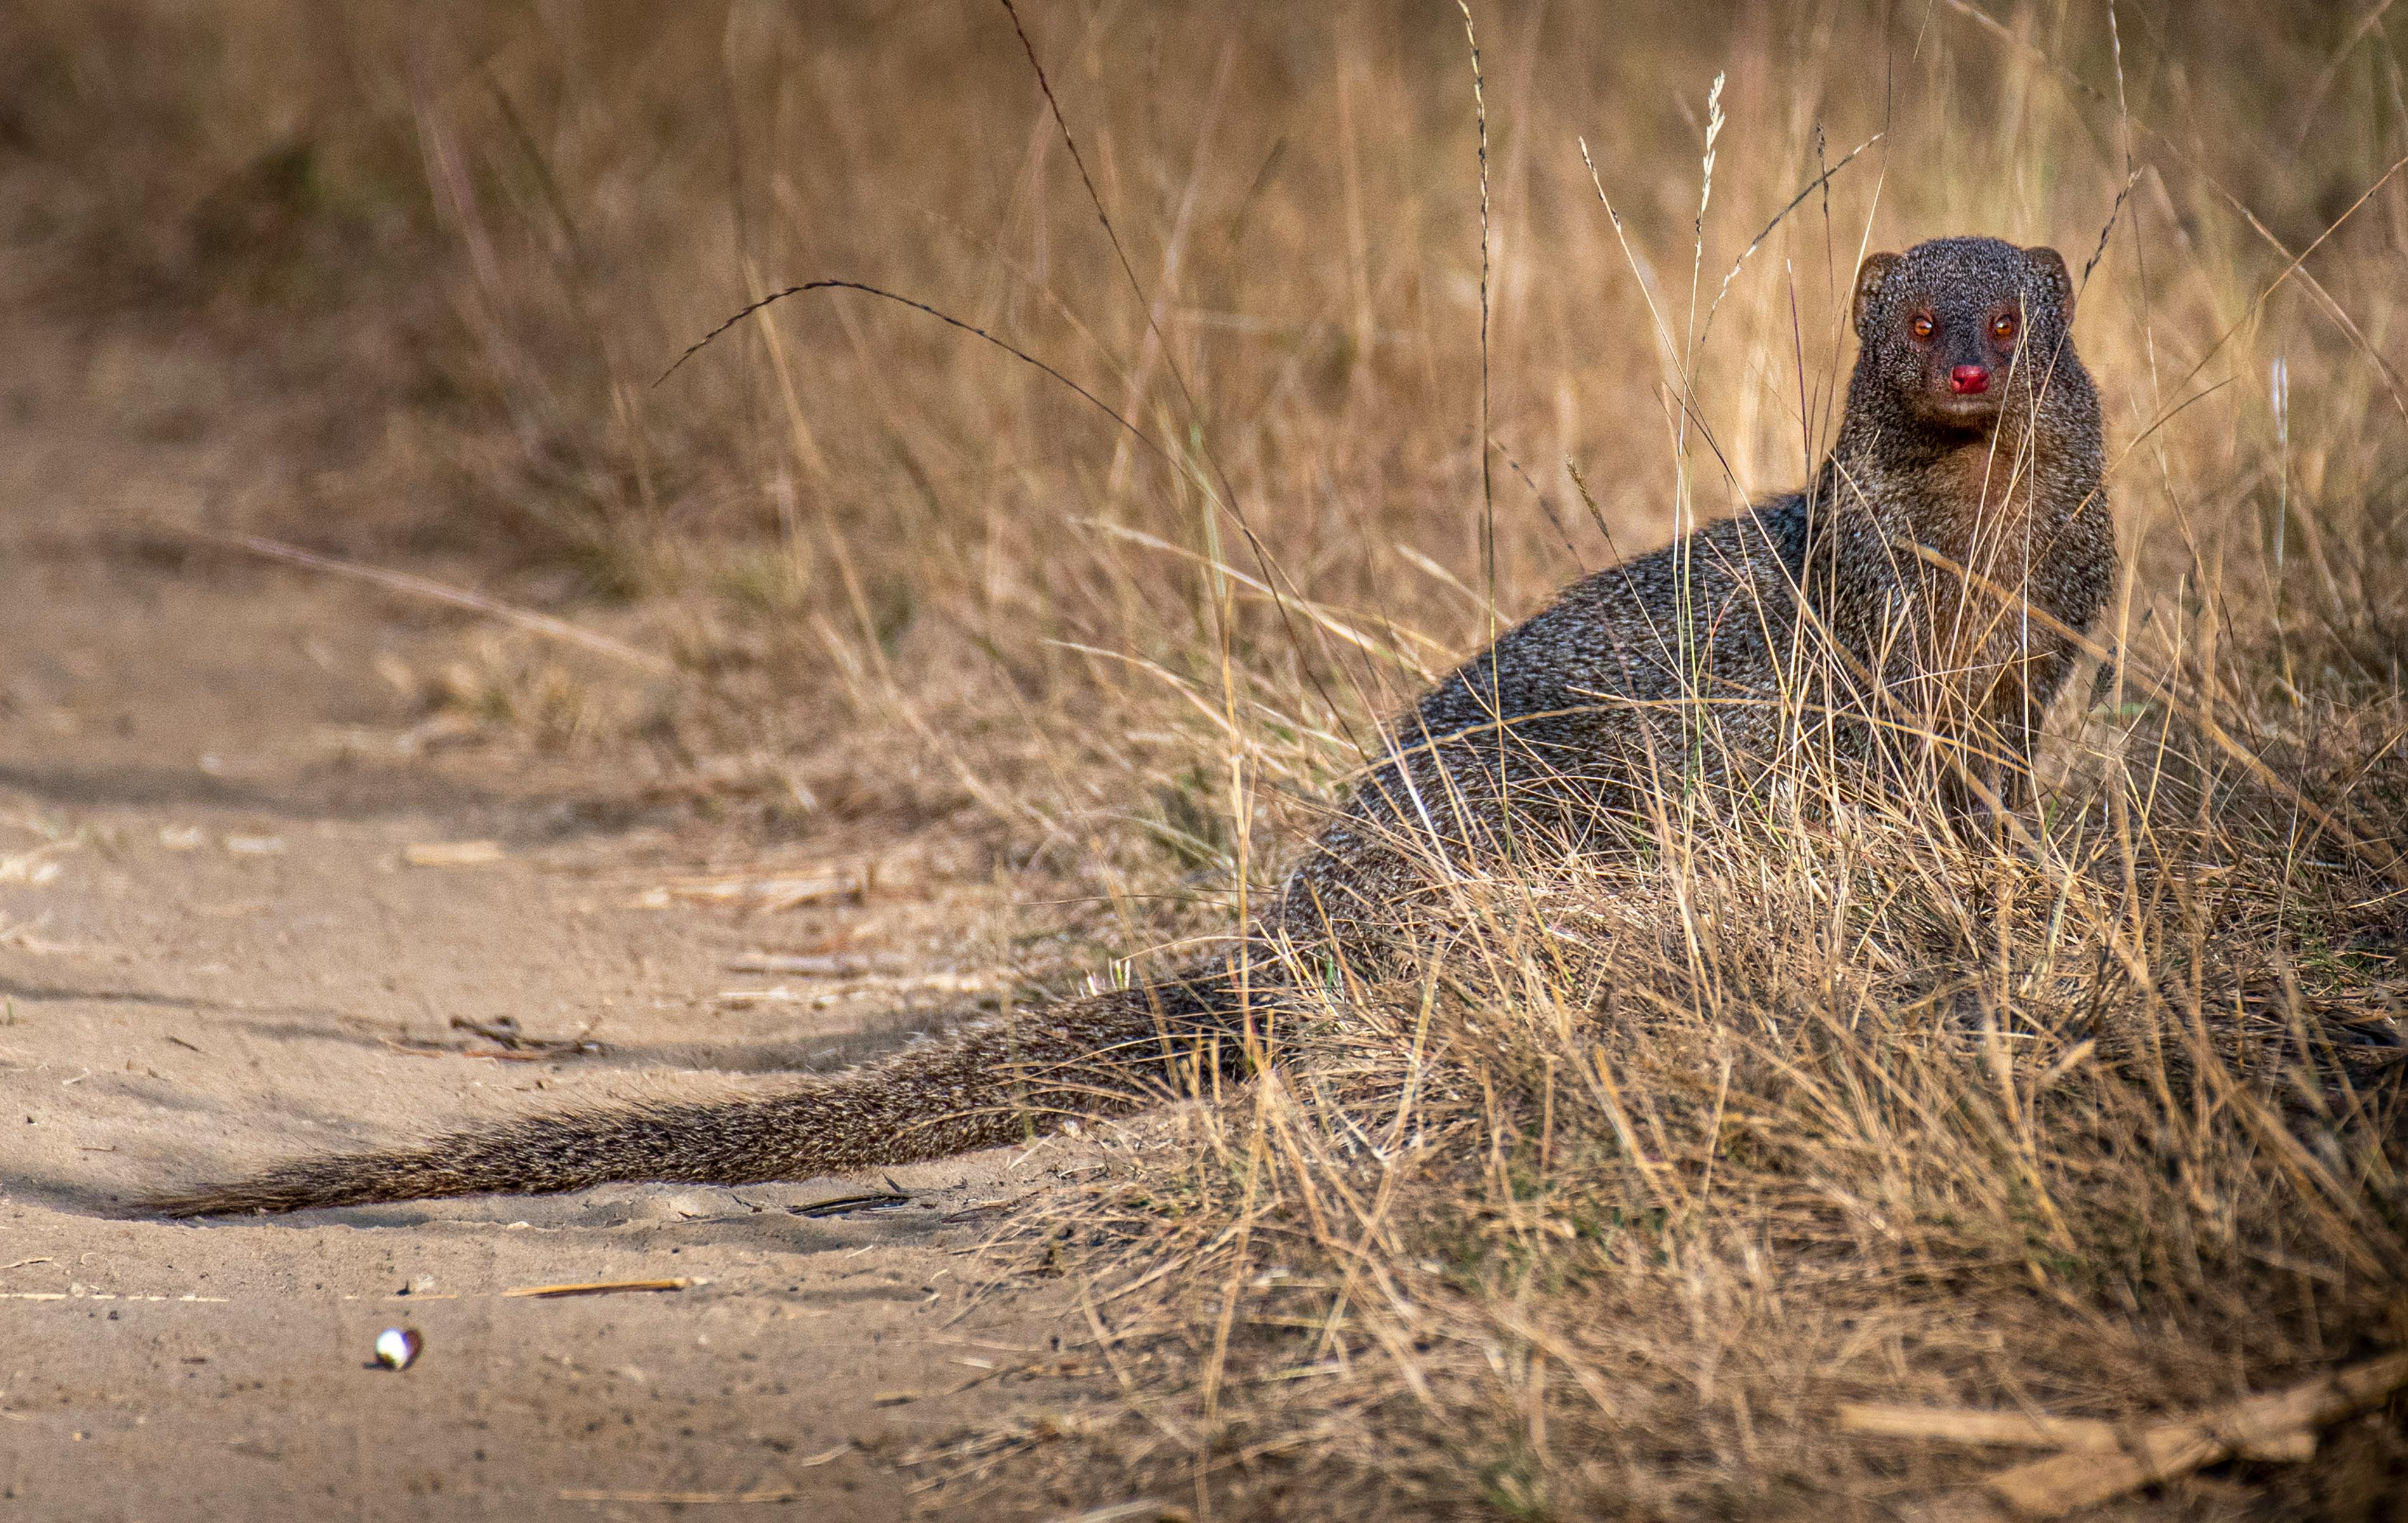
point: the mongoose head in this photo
(1960, 331)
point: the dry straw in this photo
(1606, 1196)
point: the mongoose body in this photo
(1911, 610)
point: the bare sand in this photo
(214, 952)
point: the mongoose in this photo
(1913, 609)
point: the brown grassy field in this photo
(1659, 1161)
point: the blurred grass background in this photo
(479, 235)
(488, 229)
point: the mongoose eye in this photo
(1920, 327)
(2002, 328)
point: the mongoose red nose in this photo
(1970, 380)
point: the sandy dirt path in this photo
(213, 952)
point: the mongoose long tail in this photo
(980, 1085)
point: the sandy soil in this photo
(214, 952)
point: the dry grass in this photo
(1605, 1207)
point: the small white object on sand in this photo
(396, 1347)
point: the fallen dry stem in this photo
(2071, 1482)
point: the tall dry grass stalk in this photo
(1599, 1200)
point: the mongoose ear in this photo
(2050, 274)
(1869, 283)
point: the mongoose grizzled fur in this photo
(1911, 610)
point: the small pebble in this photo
(396, 1347)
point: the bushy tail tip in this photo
(980, 1085)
